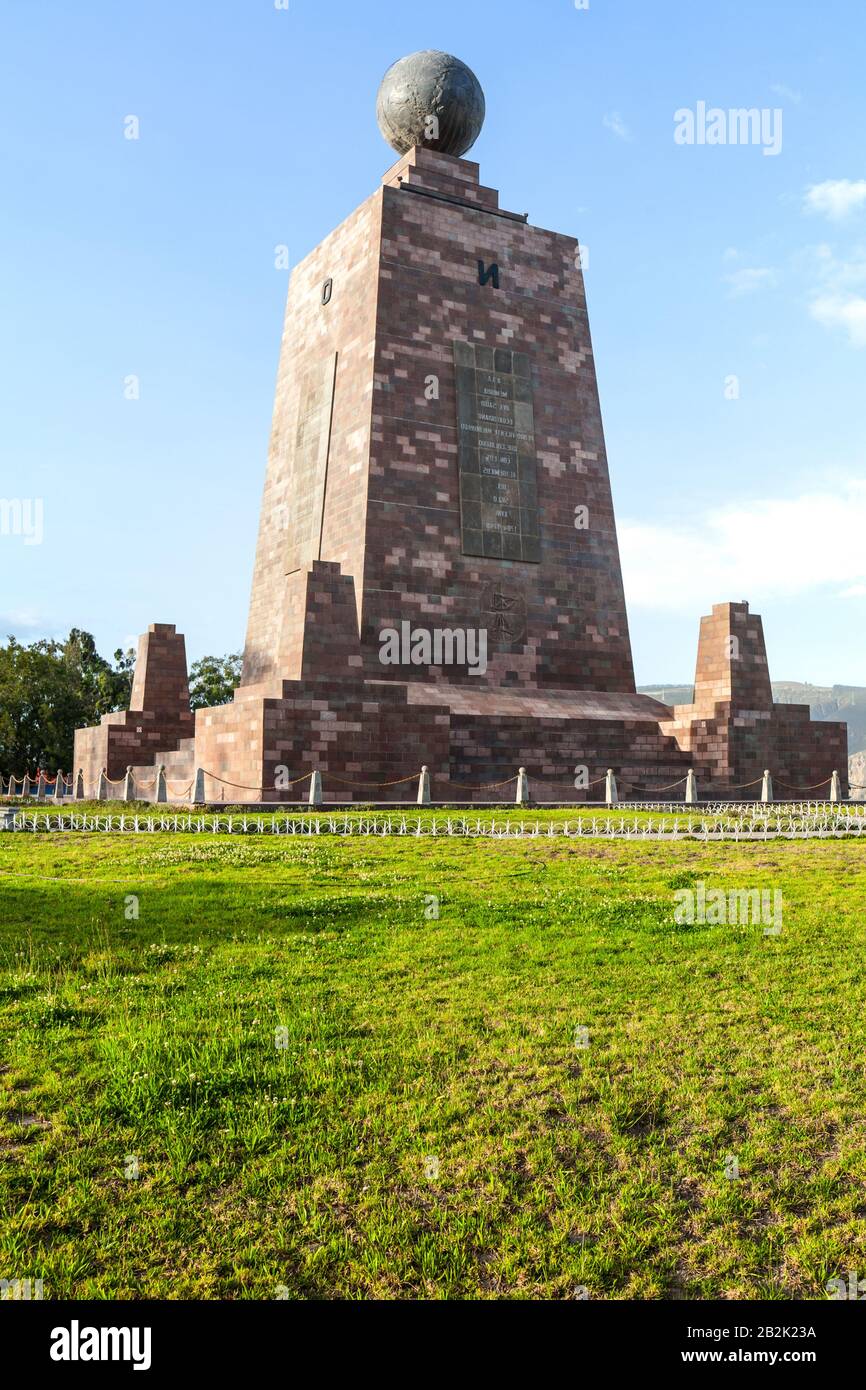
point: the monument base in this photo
(369, 738)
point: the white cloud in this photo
(773, 547)
(22, 618)
(855, 591)
(836, 198)
(837, 299)
(614, 121)
(787, 92)
(836, 311)
(747, 281)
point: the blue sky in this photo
(154, 258)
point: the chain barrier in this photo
(813, 788)
(239, 786)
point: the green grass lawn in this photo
(426, 1124)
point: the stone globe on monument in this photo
(431, 99)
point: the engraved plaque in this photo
(497, 463)
(310, 465)
(503, 613)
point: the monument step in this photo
(179, 767)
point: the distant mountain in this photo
(669, 694)
(847, 702)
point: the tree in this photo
(104, 688)
(214, 679)
(47, 691)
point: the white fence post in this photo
(161, 790)
(102, 786)
(691, 787)
(522, 797)
(767, 785)
(40, 787)
(79, 785)
(424, 787)
(835, 787)
(129, 785)
(610, 792)
(197, 792)
(316, 789)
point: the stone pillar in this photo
(79, 785)
(691, 788)
(26, 786)
(197, 790)
(129, 785)
(610, 792)
(59, 785)
(316, 789)
(102, 786)
(835, 787)
(767, 785)
(161, 790)
(424, 787)
(522, 797)
(40, 787)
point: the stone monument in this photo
(437, 578)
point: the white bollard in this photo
(197, 790)
(161, 789)
(316, 789)
(691, 787)
(129, 785)
(522, 797)
(835, 787)
(79, 785)
(102, 786)
(59, 786)
(610, 792)
(424, 787)
(767, 785)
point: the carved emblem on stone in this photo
(503, 613)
